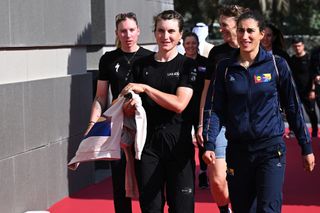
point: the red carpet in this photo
(301, 191)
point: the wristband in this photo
(200, 125)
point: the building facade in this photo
(46, 50)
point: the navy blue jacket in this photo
(246, 101)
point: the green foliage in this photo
(292, 16)
(304, 18)
(315, 22)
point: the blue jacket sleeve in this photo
(213, 130)
(292, 106)
(217, 114)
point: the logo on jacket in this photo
(231, 78)
(262, 78)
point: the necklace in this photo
(131, 58)
(244, 63)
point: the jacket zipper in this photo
(249, 99)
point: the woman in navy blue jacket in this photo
(248, 90)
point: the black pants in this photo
(255, 179)
(122, 204)
(309, 106)
(203, 165)
(166, 172)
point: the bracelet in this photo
(200, 125)
(91, 122)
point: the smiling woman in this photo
(249, 36)
(249, 87)
(166, 81)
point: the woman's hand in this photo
(209, 157)
(90, 125)
(199, 136)
(308, 162)
(137, 88)
(312, 95)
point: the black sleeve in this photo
(103, 73)
(211, 66)
(292, 106)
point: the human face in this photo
(249, 35)
(128, 32)
(267, 39)
(228, 28)
(191, 45)
(298, 48)
(167, 34)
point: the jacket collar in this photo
(262, 56)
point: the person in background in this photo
(191, 46)
(228, 16)
(303, 77)
(202, 31)
(165, 82)
(315, 69)
(114, 69)
(248, 87)
(273, 42)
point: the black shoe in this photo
(203, 181)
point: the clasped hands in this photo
(129, 105)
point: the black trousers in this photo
(203, 165)
(309, 106)
(166, 172)
(255, 179)
(122, 204)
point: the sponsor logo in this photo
(177, 74)
(262, 78)
(202, 69)
(117, 67)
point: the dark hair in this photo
(232, 11)
(190, 34)
(123, 16)
(277, 36)
(255, 15)
(168, 15)
(297, 39)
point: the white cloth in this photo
(104, 139)
(202, 32)
(100, 145)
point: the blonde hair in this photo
(117, 42)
